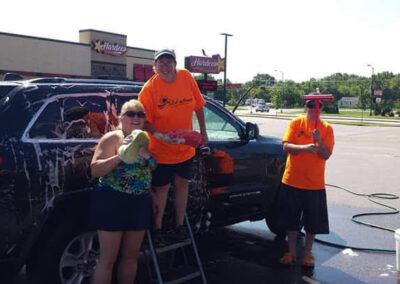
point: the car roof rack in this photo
(61, 80)
(12, 77)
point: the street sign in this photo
(378, 93)
(233, 86)
(207, 65)
(207, 85)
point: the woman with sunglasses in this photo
(170, 97)
(121, 203)
(303, 182)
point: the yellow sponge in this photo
(129, 150)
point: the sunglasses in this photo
(132, 114)
(311, 105)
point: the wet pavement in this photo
(365, 160)
(247, 253)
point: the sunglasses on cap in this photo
(311, 105)
(132, 114)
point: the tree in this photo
(201, 77)
(363, 97)
(338, 84)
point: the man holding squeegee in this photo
(309, 142)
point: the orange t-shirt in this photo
(305, 170)
(170, 106)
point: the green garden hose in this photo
(371, 198)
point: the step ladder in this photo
(155, 253)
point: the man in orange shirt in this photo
(170, 97)
(303, 181)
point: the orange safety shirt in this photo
(170, 106)
(305, 170)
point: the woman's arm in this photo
(105, 157)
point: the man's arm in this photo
(296, 148)
(323, 150)
(202, 124)
(164, 137)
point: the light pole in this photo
(372, 90)
(283, 85)
(226, 54)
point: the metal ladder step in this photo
(155, 252)
(185, 278)
(170, 247)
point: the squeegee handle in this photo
(316, 114)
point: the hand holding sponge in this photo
(128, 152)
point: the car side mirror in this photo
(252, 131)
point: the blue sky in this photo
(304, 39)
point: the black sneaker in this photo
(180, 234)
(158, 238)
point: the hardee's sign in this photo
(209, 65)
(105, 47)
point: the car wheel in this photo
(274, 225)
(69, 255)
(274, 217)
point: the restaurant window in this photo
(142, 72)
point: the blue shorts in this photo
(165, 173)
(306, 206)
(112, 210)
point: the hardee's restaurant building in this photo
(97, 54)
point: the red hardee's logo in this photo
(105, 47)
(210, 65)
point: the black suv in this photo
(48, 130)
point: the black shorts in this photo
(165, 173)
(112, 210)
(309, 206)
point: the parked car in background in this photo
(49, 128)
(262, 108)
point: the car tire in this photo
(68, 255)
(274, 217)
(272, 221)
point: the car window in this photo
(74, 117)
(121, 98)
(4, 90)
(219, 126)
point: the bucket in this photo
(397, 238)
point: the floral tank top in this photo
(129, 178)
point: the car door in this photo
(235, 167)
(61, 138)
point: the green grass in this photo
(359, 123)
(357, 113)
(230, 108)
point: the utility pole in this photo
(372, 89)
(283, 86)
(225, 59)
